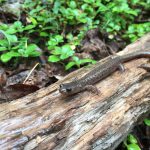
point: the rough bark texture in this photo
(46, 120)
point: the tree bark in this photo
(47, 120)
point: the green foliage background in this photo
(59, 26)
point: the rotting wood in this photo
(46, 120)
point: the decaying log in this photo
(46, 120)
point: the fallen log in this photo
(47, 120)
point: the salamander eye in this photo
(61, 85)
(69, 89)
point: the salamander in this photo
(100, 72)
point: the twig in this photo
(30, 72)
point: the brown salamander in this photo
(99, 73)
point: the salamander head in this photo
(68, 89)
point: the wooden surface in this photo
(46, 120)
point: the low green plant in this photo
(131, 143)
(13, 45)
(60, 26)
(61, 53)
(78, 62)
(137, 30)
(68, 21)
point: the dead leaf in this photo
(15, 91)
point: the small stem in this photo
(30, 73)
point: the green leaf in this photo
(89, 1)
(59, 38)
(57, 51)
(102, 8)
(28, 27)
(52, 43)
(7, 56)
(132, 12)
(66, 49)
(55, 41)
(72, 4)
(21, 51)
(12, 38)
(6, 35)
(31, 47)
(33, 20)
(4, 42)
(40, 18)
(81, 18)
(70, 65)
(44, 34)
(133, 147)
(53, 58)
(11, 31)
(147, 122)
(56, 6)
(3, 48)
(87, 60)
(51, 47)
(63, 56)
(31, 50)
(134, 1)
(84, 6)
(66, 52)
(131, 29)
(18, 26)
(131, 139)
(76, 59)
(69, 37)
(75, 12)
(4, 26)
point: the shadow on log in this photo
(46, 120)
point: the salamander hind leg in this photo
(146, 67)
(92, 89)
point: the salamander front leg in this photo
(74, 79)
(121, 67)
(92, 89)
